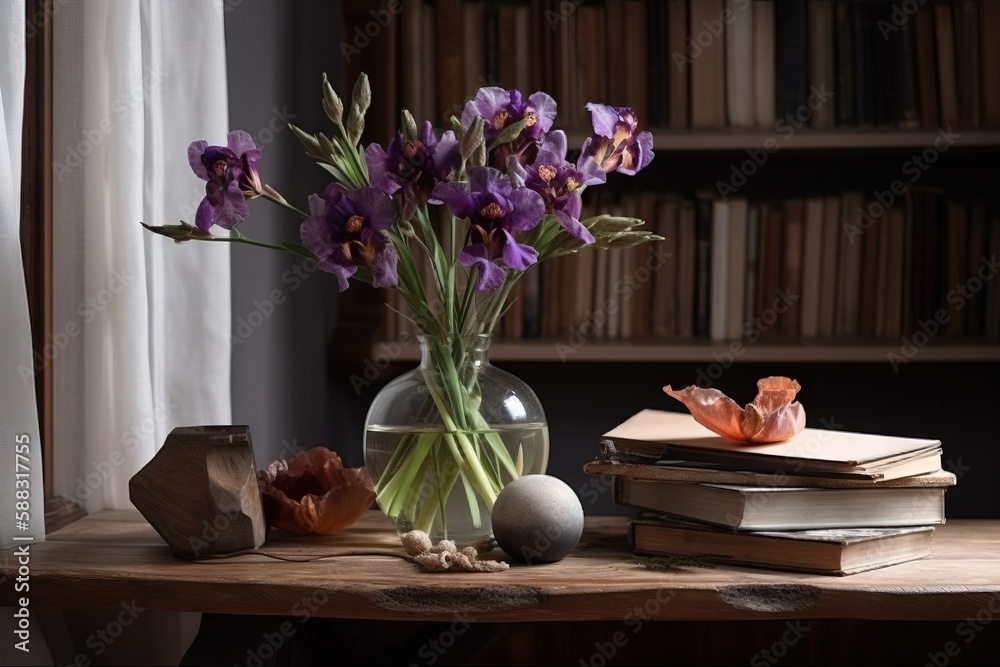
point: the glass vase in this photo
(442, 440)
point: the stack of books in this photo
(826, 501)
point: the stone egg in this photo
(537, 519)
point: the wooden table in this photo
(113, 556)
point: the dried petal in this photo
(771, 417)
(314, 492)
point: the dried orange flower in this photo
(772, 417)
(314, 492)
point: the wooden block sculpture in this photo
(200, 491)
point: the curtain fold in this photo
(21, 488)
(147, 321)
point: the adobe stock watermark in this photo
(119, 108)
(958, 296)
(244, 326)
(101, 639)
(382, 356)
(101, 471)
(272, 642)
(86, 312)
(565, 9)
(751, 332)
(915, 167)
(967, 631)
(785, 128)
(36, 22)
(901, 13)
(704, 38)
(635, 621)
(433, 649)
(794, 632)
(623, 290)
(363, 35)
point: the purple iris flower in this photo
(344, 231)
(231, 172)
(416, 166)
(616, 146)
(559, 182)
(495, 208)
(500, 108)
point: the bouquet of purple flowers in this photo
(515, 200)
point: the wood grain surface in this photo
(115, 556)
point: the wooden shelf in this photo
(804, 139)
(563, 350)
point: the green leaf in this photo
(611, 223)
(509, 133)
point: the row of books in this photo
(822, 63)
(828, 502)
(705, 64)
(816, 267)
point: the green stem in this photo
(284, 204)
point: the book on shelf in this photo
(659, 435)
(831, 552)
(752, 508)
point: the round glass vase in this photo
(442, 440)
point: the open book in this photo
(658, 436)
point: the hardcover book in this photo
(744, 507)
(654, 435)
(832, 552)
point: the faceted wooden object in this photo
(200, 491)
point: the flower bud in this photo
(362, 95)
(332, 104)
(408, 124)
(472, 139)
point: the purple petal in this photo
(491, 275)
(203, 218)
(555, 142)
(604, 118)
(591, 171)
(240, 143)
(641, 150)
(375, 207)
(234, 208)
(488, 179)
(195, 151)
(456, 197)
(516, 171)
(342, 272)
(529, 207)
(517, 255)
(545, 107)
(486, 104)
(572, 225)
(384, 272)
(375, 156)
(447, 156)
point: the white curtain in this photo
(20, 447)
(146, 321)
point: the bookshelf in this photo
(896, 86)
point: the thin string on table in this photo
(299, 559)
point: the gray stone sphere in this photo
(537, 519)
